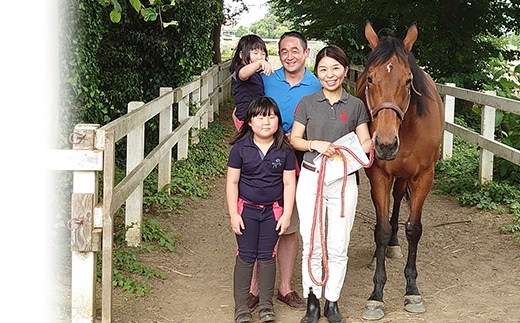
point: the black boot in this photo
(241, 285)
(313, 309)
(331, 312)
(266, 280)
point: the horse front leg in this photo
(380, 190)
(394, 250)
(419, 190)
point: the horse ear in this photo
(371, 35)
(411, 37)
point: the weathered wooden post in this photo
(195, 101)
(220, 79)
(449, 116)
(134, 203)
(215, 86)
(165, 128)
(183, 114)
(487, 129)
(84, 243)
(204, 84)
(109, 146)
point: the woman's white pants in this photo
(337, 231)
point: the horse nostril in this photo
(386, 151)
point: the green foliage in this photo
(152, 231)
(242, 31)
(157, 7)
(81, 96)
(104, 66)
(206, 159)
(458, 177)
(269, 27)
(128, 272)
(505, 81)
(455, 37)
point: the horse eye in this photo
(409, 81)
(369, 79)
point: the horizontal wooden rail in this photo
(95, 151)
(496, 102)
(498, 148)
(124, 125)
(74, 160)
(123, 190)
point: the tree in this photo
(269, 27)
(228, 14)
(158, 9)
(105, 65)
(242, 31)
(456, 38)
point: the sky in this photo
(257, 11)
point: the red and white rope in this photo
(318, 206)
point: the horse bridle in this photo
(390, 105)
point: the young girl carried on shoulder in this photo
(260, 189)
(249, 61)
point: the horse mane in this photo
(389, 46)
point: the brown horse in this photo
(406, 127)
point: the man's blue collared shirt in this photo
(287, 97)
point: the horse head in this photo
(386, 87)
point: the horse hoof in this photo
(394, 252)
(413, 304)
(373, 311)
(372, 264)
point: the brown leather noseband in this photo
(387, 105)
(390, 105)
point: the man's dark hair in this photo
(296, 34)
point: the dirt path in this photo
(468, 272)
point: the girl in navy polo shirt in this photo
(260, 189)
(249, 61)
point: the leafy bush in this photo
(458, 177)
(206, 160)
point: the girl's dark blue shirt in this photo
(261, 177)
(245, 91)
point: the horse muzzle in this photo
(386, 150)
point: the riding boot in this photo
(313, 309)
(241, 284)
(266, 280)
(331, 312)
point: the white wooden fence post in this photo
(220, 79)
(195, 101)
(183, 114)
(215, 97)
(84, 198)
(165, 128)
(203, 97)
(487, 129)
(134, 203)
(449, 115)
(109, 156)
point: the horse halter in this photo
(390, 105)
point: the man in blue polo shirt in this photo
(287, 86)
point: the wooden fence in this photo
(94, 151)
(489, 147)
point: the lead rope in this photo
(318, 206)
